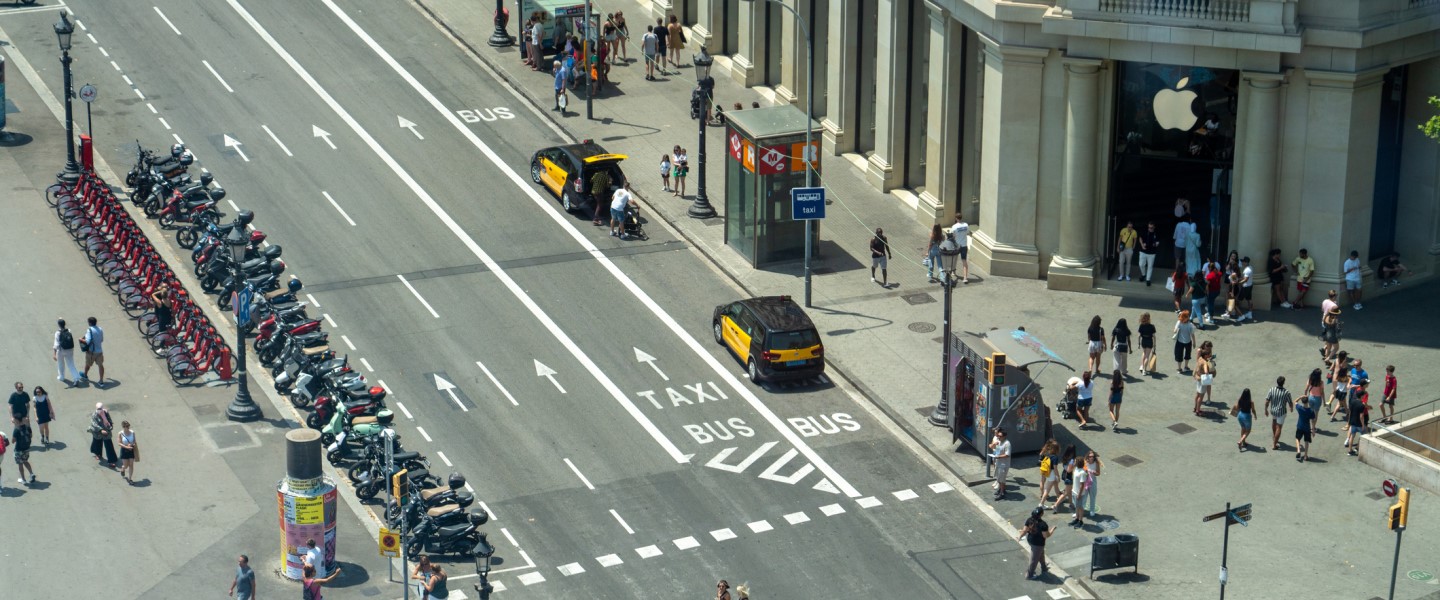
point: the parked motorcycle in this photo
(354, 403)
(343, 440)
(459, 539)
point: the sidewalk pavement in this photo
(1165, 468)
(205, 487)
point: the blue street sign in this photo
(807, 204)
(241, 303)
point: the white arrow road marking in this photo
(497, 383)
(543, 371)
(321, 133)
(406, 124)
(167, 21)
(218, 77)
(449, 388)
(277, 140)
(234, 143)
(793, 478)
(641, 356)
(719, 461)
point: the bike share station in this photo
(764, 163)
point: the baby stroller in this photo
(631, 228)
(1067, 407)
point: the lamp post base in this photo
(701, 208)
(501, 38)
(243, 408)
(70, 175)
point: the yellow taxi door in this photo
(739, 337)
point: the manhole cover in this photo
(230, 436)
(1111, 524)
(921, 298)
(1126, 460)
(1181, 428)
(1420, 575)
(922, 327)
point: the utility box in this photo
(980, 401)
(765, 158)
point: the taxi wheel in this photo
(753, 371)
(535, 172)
(719, 338)
(565, 199)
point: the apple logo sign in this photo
(1173, 107)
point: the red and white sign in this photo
(772, 160)
(1389, 487)
(737, 144)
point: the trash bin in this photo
(1115, 552)
(1129, 551)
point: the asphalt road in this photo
(618, 447)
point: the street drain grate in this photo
(921, 298)
(1126, 460)
(1181, 428)
(921, 327)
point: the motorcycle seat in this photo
(441, 510)
(365, 420)
(451, 531)
(315, 350)
(331, 365)
(414, 474)
(254, 263)
(277, 293)
(284, 306)
(404, 456)
(431, 493)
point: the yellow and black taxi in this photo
(569, 172)
(772, 336)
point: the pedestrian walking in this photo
(1117, 395)
(649, 45)
(314, 557)
(1208, 349)
(1000, 452)
(1199, 292)
(1353, 285)
(682, 169)
(1204, 378)
(1244, 413)
(101, 428)
(1278, 402)
(243, 586)
(310, 585)
(665, 171)
(611, 34)
(1084, 396)
(1387, 399)
(63, 353)
(1121, 347)
(1340, 396)
(1149, 246)
(677, 40)
(1245, 298)
(129, 452)
(960, 231)
(1275, 266)
(1330, 333)
(1035, 532)
(1067, 477)
(880, 257)
(1304, 272)
(1304, 425)
(722, 590)
(1184, 336)
(1050, 468)
(20, 440)
(1147, 344)
(1180, 237)
(1179, 286)
(932, 252)
(1078, 491)
(1095, 345)
(1093, 467)
(1314, 395)
(93, 345)
(1355, 421)
(1214, 280)
(1126, 250)
(622, 36)
(1192, 249)
(662, 38)
(19, 404)
(44, 413)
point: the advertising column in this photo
(306, 501)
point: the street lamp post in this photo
(242, 407)
(700, 103)
(63, 31)
(949, 256)
(500, 37)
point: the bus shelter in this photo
(979, 401)
(765, 149)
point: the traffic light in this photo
(1400, 511)
(995, 368)
(397, 485)
(695, 103)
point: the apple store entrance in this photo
(1174, 138)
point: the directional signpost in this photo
(1238, 514)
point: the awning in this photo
(1023, 349)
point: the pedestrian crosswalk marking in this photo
(868, 502)
(571, 569)
(650, 551)
(609, 560)
(532, 578)
(906, 494)
(941, 487)
(761, 526)
(687, 543)
(721, 535)
(831, 510)
(797, 518)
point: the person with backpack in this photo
(63, 353)
(310, 585)
(22, 436)
(93, 345)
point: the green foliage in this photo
(1431, 128)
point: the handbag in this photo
(1170, 284)
(1150, 364)
(1235, 410)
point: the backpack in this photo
(67, 341)
(1045, 464)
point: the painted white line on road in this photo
(495, 586)
(760, 526)
(233, 206)
(797, 518)
(313, 302)
(277, 140)
(579, 474)
(407, 285)
(496, 382)
(687, 543)
(721, 535)
(367, 365)
(102, 51)
(831, 510)
(344, 339)
(138, 93)
(503, 530)
(403, 409)
(906, 494)
(443, 458)
(590, 366)
(541, 370)
(423, 434)
(387, 390)
(321, 133)
(332, 324)
(175, 135)
(117, 67)
(165, 123)
(92, 38)
(167, 21)
(566, 223)
(81, 25)
(941, 487)
(347, 217)
(571, 569)
(221, 80)
(650, 551)
(152, 108)
(127, 80)
(406, 124)
(532, 578)
(609, 560)
(622, 522)
(868, 502)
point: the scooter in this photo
(430, 498)
(353, 404)
(340, 438)
(451, 513)
(459, 539)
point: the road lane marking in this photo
(231, 142)
(127, 80)
(906, 494)
(514, 287)
(641, 356)
(167, 21)
(532, 578)
(503, 530)
(941, 487)
(227, 86)
(407, 285)
(868, 502)
(313, 302)
(443, 458)
(650, 551)
(403, 409)
(174, 135)
(831, 510)
(719, 461)
(164, 122)
(579, 474)
(495, 586)
(772, 472)
(571, 569)
(1058, 594)
(346, 340)
(92, 38)
(102, 51)
(113, 64)
(152, 108)
(721, 535)
(797, 518)
(423, 434)
(138, 93)
(564, 221)
(321, 133)
(236, 208)
(497, 383)
(406, 124)
(81, 25)
(544, 371)
(687, 543)
(367, 365)
(760, 526)
(444, 385)
(387, 390)
(332, 324)
(622, 522)
(277, 140)
(609, 560)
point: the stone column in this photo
(706, 29)
(1009, 160)
(893, 92)
(1073, 267)
(1259, 146)
(792, 58)
(752, 43)
(943, 144)
(658, 9)
(1341, 136)
(840, 65)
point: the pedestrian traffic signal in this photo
(397, 484)
(1400, 511)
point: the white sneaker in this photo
(21, 480)
(872, 280)
(1358, 306)
(1285, 305)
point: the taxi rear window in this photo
(794, 340)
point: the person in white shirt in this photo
(1000, 451)
(961, 232)
(1352, 279)
(618, 202)
(314, 557)
(1243, 297)
(63, 355)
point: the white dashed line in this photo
(404, 410)
(236, 208)
(532, 578)
(367, 365)
(81, 25)
(152, 108)
(174, 135)
(444, 459)
(761, 526)
(387, 389)
(165, 123)
(102, 51)
(117, 67)
(331, 322)
(941, 487)
(571, 569)
(609, 560)
(721, 535)
(622, 522)
(345, 339)
(423, 434)
(503, 530)
(127, 80)
(277, 140)
(687, 543)
(832, 510)
(402, 277)
(797, 518)
(868, 502)
(139, 93)
(222, 81)
(906, 494)
(352, 224)
(167, 21)
(313, 302)
(650, 551)
(92, 38)
(497, 383)
(579, 474)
